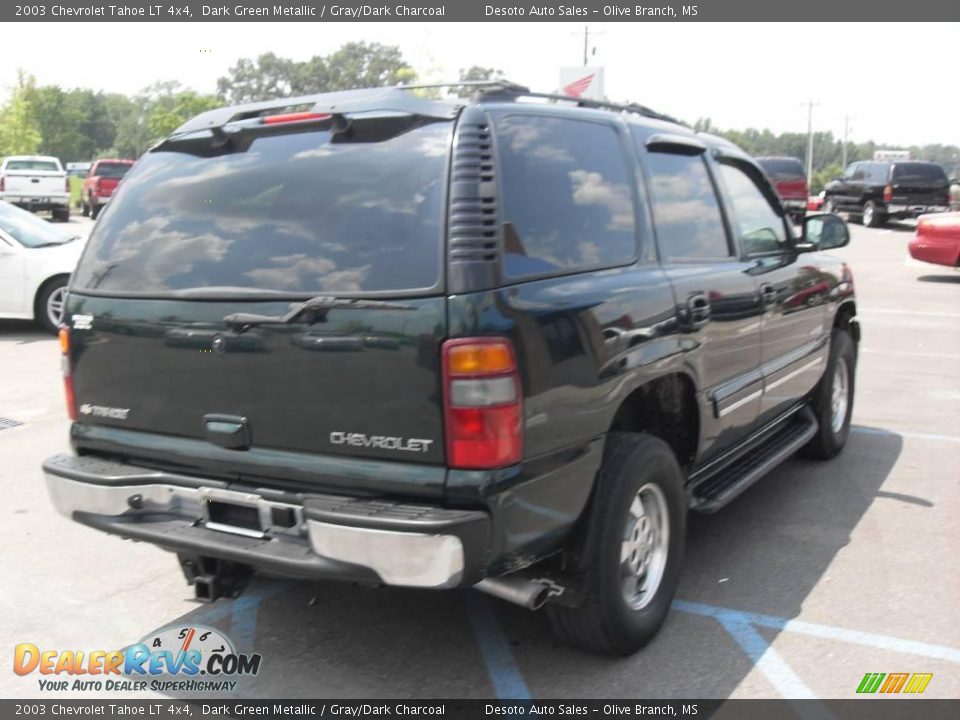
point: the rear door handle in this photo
(698, 308)
(768, 294)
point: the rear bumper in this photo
(912, 210)
(45, 202)
(307, 536)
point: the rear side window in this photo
(925, 172)
(295, 213)
(40, 165)
(685, 208)
(568, 196)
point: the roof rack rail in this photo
(496, 89)
(635, 108)
(491, 86)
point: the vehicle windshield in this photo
(112, 170)
(925, 172)
(302, 214)
(41, 165)
(29, 230)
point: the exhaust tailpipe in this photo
(531, 594)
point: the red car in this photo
(101, 181)
(790, 180)
(937, 239)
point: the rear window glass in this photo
(41, 165)
(568, 202)
(112, 170)
(294, 213)
(782, 166)
(928, 172)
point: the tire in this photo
(873, 216)
(635, 468)
(833, 411)
(94, 209)
(51, 297)
(84, 208)
(62, 215)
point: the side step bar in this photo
(713, 492)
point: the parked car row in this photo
(39, 183)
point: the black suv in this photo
(879, 190)
(372, 337)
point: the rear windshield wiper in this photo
(311, 311)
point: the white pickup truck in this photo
(36, 182)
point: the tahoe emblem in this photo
(104, 411)
(383, 442)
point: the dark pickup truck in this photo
(377, 338)
(879, 190)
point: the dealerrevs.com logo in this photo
(189, 658)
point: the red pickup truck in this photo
(101, 181)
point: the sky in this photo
(738, 74)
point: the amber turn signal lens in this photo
(479, 359)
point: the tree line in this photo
(82, 124)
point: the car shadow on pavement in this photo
(947, 279)
(22, 332)
(765, 553)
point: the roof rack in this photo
(498, 89)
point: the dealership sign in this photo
(582, 82)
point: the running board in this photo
(718, 489)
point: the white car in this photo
(36, 259)
(37, 183)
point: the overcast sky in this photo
(738, 74)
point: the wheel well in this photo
(666, 408)
(43, 286)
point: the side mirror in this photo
(823, 232)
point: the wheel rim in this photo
(55, 305)
(643, 552)
(840, 398)
(868, 214)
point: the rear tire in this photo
(633, 550)
(50, 303)
(84, 208)
(873, 216)
(832, 401)
(94, 209)
(62, 215)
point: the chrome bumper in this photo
(412, 559)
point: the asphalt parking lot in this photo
(819, 574)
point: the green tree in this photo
(476, 73)
(19, 134)
(170, 114)
(357, 64)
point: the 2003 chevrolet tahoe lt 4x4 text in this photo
(505, 342)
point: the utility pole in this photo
(586, 43)
(810, 105)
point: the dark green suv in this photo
(505, 343)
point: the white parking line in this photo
(912, 313)
(909, 353)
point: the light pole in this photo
(810, 104)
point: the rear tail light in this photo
(67, 374)
(888, 193)
(483, 405)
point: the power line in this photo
(586, 43)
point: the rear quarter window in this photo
(568, 196)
